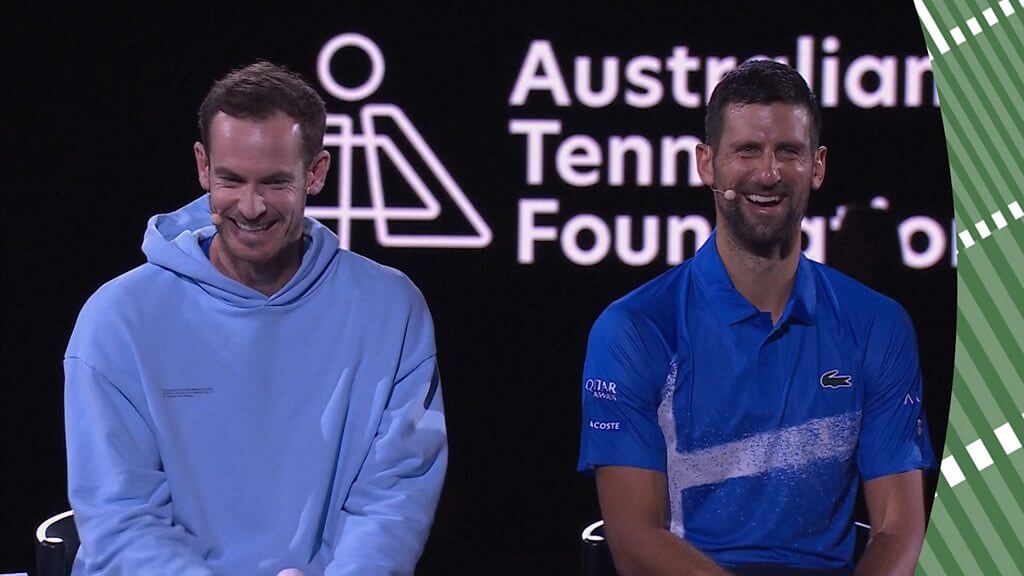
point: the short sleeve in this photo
(894, 433)
(620, 396)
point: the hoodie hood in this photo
(173, 241)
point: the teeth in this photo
(763, 199)
(249, 228)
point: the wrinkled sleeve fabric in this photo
(386, 517)
(894, 433)
(620, 396)
(116, 485)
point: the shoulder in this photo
(655, 299)
(852, 300)
(389, 304)
(376, 283)
(109, 315)
(875, 322)
(118, 296)
(644, 320)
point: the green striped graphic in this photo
(977, 523)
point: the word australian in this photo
(686, 80)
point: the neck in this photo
(764, 279)
(264, 277)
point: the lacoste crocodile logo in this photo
(832, 379)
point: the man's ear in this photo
(202, 165)
(318, 173)
(705, 167)
(818, 173)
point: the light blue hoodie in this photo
(214, 430)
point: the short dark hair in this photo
(760, 82)
(260, 90)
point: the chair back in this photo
(597, 556)
(862, 533)
(56, 545)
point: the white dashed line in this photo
(978, 452)
(951, 470)
(966, 238)
(982, 227)
(1007, 438)
(956, 32)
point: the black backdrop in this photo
(98, 125)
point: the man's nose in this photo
(251, 205)
(768, 171)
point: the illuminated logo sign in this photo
(570, 146)
(579, 164)
(384, 141)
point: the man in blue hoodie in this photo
(254, 400)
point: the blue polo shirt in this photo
(763, 431)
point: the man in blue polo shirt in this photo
(733, 405)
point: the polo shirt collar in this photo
(731, 307)
(803, 299)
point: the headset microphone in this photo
(729, 194)
(216, 218)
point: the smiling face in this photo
(258, 183)
(764, 153)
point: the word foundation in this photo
(638, 240)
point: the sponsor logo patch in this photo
(598, 425)
(600, 389)
(832, 379)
